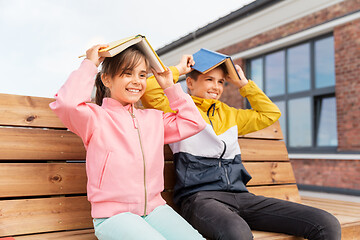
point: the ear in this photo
(189, 83)
(106, 80)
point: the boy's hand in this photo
(93, 54)
(243, 81)
(185, 64)
(165, 79)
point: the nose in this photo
(135, 80)
(216, 85)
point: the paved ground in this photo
(341, 197)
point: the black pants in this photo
(225, 215)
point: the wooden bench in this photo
(43, 178)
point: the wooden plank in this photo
(168, 197)
(16, 110)
(350, 231)
(288, 192)
(263, 173)
(32, 179)
(331, 201)
(168, 156)
(267, 173)
(169, 175)
(40, 144)
(263, 150)
(259, 235)
(87, 234)
(27, 216)
(334, 206)
(271, 132)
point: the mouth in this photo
(133, 90)
(213, 95)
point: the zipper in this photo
(227, 176)
(221, 165)
(142, 153)
(208, 113)
(226, 172)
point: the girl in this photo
(124, 161)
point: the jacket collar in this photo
(112, 104)
(205, 104)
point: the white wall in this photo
(272, 17)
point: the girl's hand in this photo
(243, 81)
(165, 79)
(185, 64)
(93, 54)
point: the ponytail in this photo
(101, 91)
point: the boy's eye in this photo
(208, 79)
(221, 81)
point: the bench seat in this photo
(43, 177)
(87, 234)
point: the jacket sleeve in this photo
(70, 101)
(263, 113)
(154, 96)
(186, 121)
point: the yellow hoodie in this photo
(211, 159)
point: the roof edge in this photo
(243, 12)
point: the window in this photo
(275, 73)
(300, 80)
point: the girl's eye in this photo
(208, 79)
(142, 75)
(221, 82)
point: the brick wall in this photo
(231, 94)
(329, 173)
(298, 25)
(347, 70)
(322, 172)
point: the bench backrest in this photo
(42, 170)
(43, 178)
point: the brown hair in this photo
(117, 65)
(194, 74)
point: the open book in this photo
(141, 42)
(206, 60)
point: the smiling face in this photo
(128, 87)
(208, 86)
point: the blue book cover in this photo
(206, 60)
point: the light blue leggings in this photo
(162, 223)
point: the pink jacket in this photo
(125, 159)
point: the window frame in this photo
(313, 93)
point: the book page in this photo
(153, 58)
(118, 46)
(231, 69)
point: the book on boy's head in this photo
(141, 42)
(206, 60)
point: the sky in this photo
(42, 39)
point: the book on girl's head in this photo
(141, 42)
(206, 60)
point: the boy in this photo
(211, 179)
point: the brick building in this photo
(305, 55)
